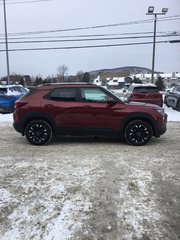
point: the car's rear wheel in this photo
(138, 132)
(38, 132)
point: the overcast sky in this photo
(71, 14)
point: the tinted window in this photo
(63, 94)
(16, 89)
(145, 90)
(93, 95)
(3, 90)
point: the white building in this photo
(169, 78)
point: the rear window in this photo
(30, 92)
(145, 90)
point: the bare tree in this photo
(62, 71)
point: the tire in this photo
(178, 106)
(38, 132)
(138, 133)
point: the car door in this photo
(97, 115)
(62, 105)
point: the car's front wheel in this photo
(138, 132)
(38, 132)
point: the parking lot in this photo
(89, 188)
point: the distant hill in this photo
(128, 69)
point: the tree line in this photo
(61, 76)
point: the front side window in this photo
(63, 95)
(93, 95)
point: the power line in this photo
(92, 35)
(171, 33)
(97, 26)
(88, 39)
(84, 35)
(81, 47)
(31, 1)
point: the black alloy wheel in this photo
(38, 132)
(138, 132)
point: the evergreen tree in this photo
(38, 81)
(160, 84)
(136, 80)
(86, 77)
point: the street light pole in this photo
(6, 41)
(151, 12)
(154, 48)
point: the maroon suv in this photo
(85, 109)
(148, 93)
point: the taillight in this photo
(19, 104)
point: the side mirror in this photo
(111, 101)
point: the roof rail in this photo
(65, 83)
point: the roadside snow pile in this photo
(173, 116)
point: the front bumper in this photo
(18, 127)
(161, 126)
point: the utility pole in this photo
(6, 41)
(151, 12)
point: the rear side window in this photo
(63, 94)
(145, 90)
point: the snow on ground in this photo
(6, 118)
(173, 116)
